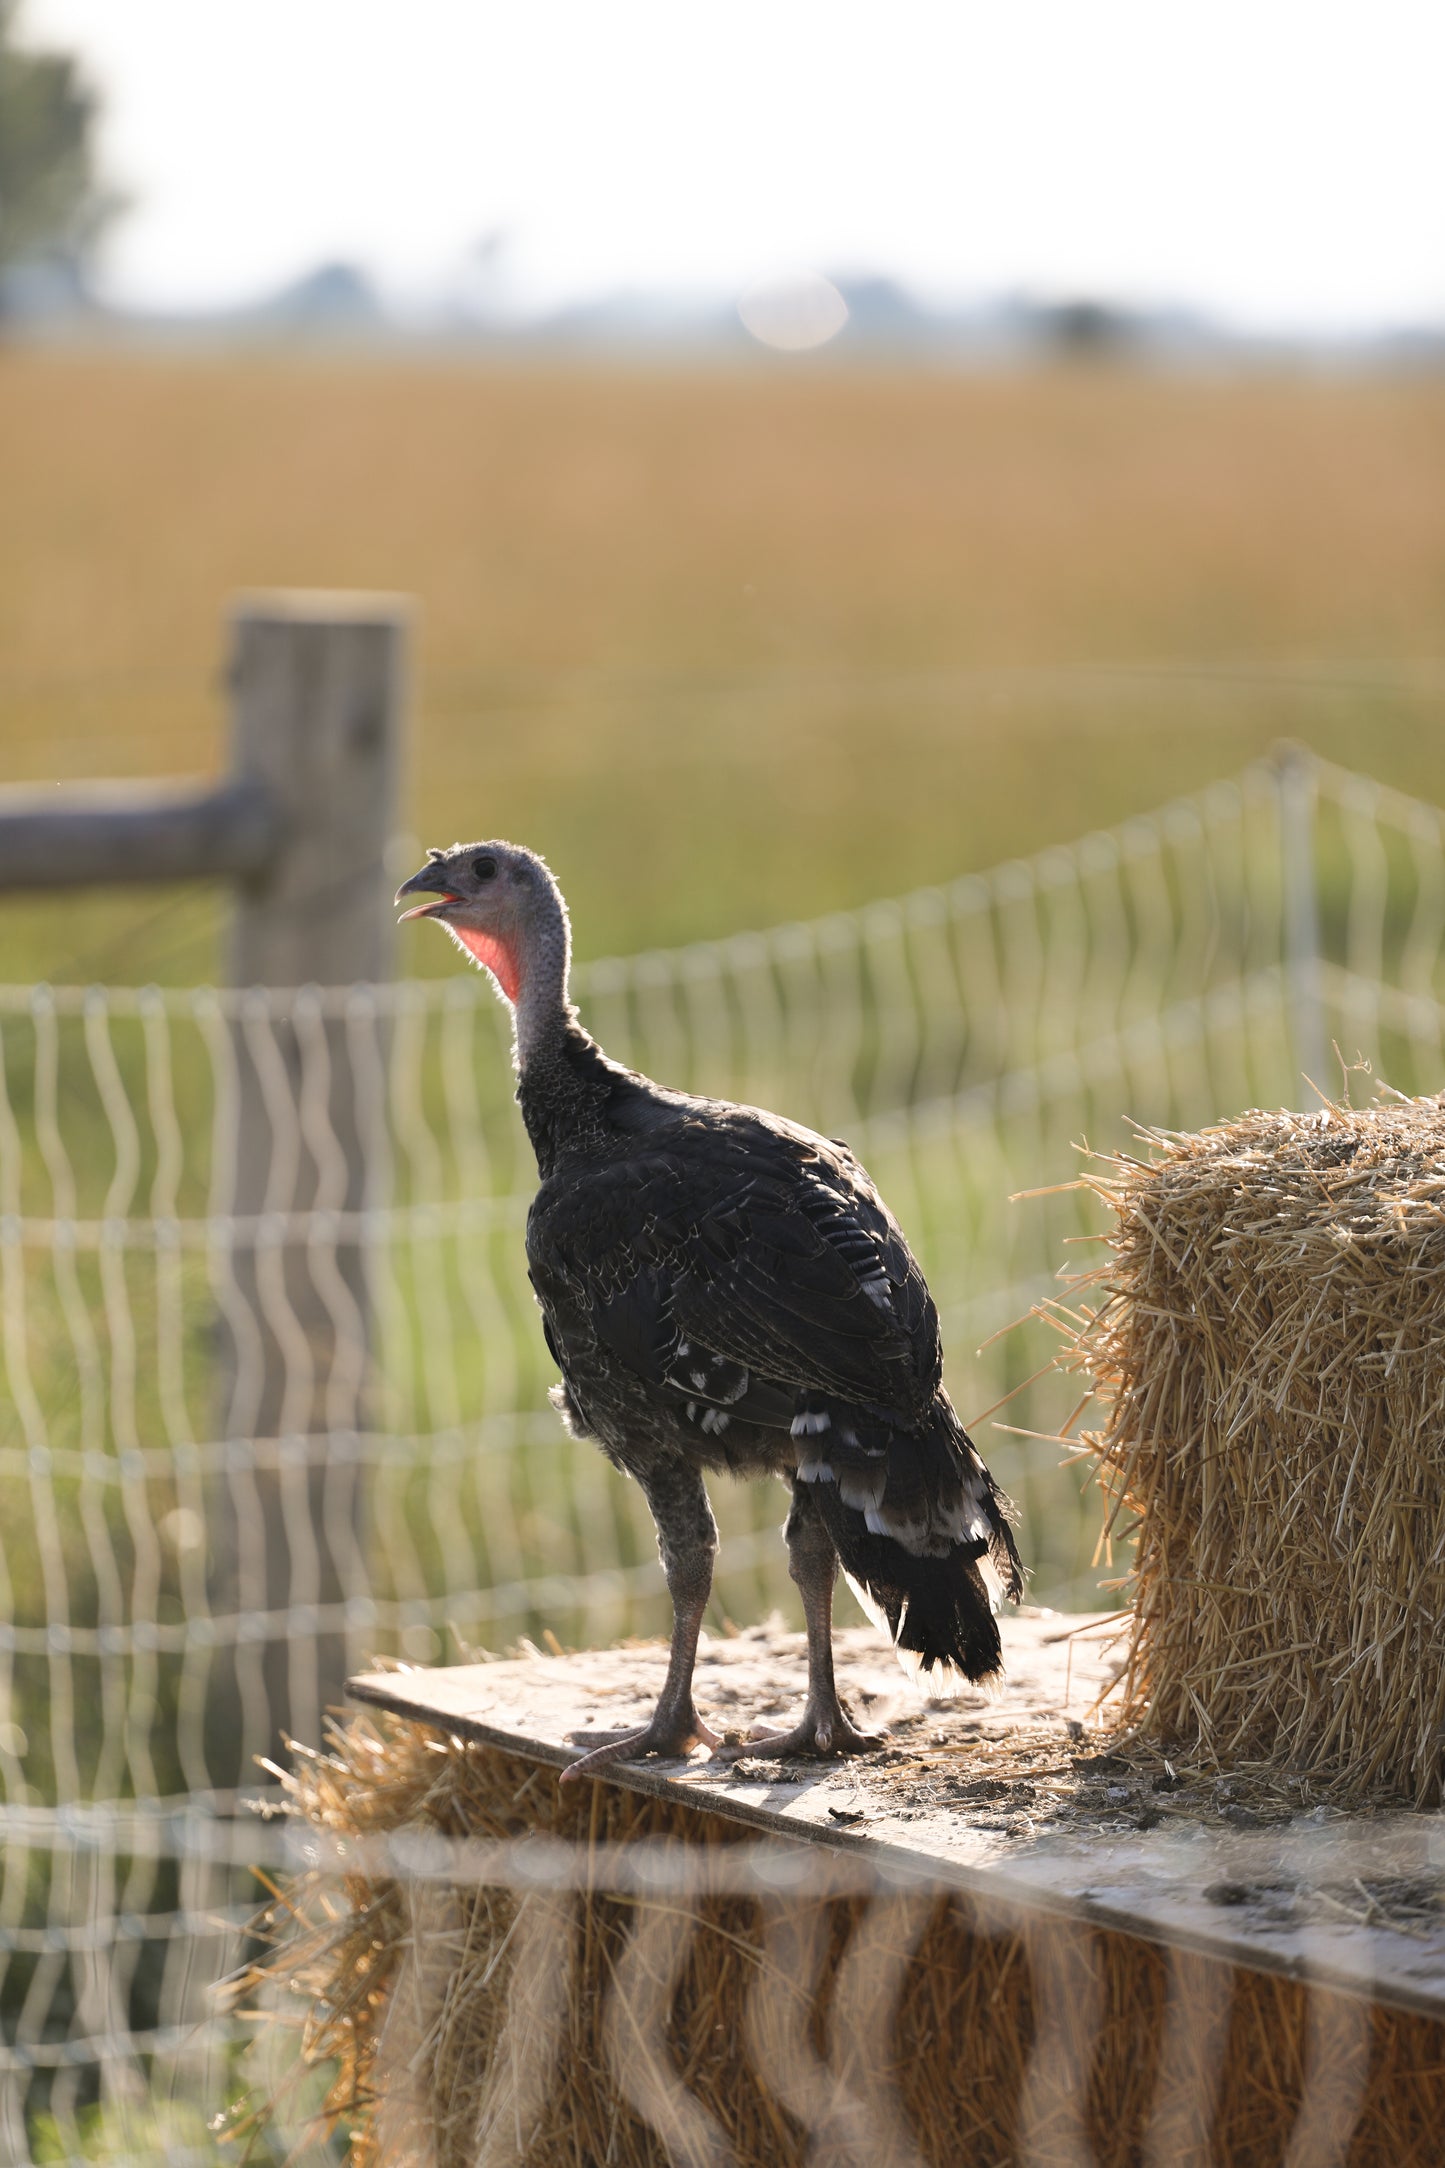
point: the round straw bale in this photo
(1270, 1344)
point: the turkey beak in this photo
(431, 884)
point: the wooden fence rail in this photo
(103, 834)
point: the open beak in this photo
(431, 885)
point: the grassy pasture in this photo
(729, 647)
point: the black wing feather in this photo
(758, 1241)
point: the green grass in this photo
(729, 648)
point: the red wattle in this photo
(500, 960)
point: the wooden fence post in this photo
(317, 686)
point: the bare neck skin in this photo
(562, 1077)
(541, 1007)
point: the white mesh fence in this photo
(274, 1387)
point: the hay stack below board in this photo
(1271, 1344)
(990, 1944)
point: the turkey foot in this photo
(671, 1737)
(823, 1733)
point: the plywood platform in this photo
(1021, 1798)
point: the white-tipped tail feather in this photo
(939, 1680)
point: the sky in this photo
(1277, 163)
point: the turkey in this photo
(724, 1291)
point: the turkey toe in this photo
(672, 1742)
(819, 1737)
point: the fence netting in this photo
(679, 1986)
(274, 1386)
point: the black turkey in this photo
(724, 1290)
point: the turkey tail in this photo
(909, 1529)
(935, 1611)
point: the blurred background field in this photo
(737, 647)
(729, 645)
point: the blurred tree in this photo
(52, 203)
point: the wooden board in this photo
(1019, 1799)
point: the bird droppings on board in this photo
(1012, 1765)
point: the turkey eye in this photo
(484, 869)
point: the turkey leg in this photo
(687, 1541)
(826, 1727)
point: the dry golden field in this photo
(728, 646)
